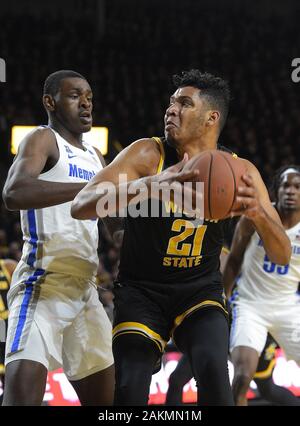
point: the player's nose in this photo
(290, 190)
(172, 110)
(84, 102)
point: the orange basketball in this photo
(221, 174)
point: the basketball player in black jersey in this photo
(169, 280)
(7, 267)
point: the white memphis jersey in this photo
(53, 240)
(264, 281)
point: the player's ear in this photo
(213, 118)
(49, 103)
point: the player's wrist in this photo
(261, 217)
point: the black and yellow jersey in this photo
(172, 249)
(5, 279)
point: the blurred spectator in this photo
(15, 251)
(3, 244)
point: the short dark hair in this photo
(277, 179)
(215, 89)
(52, 82)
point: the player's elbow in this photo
(81, 211)
(77, 211)
(10, 198)
(286, 254)
(282, 256)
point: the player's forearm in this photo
(276, 243)
(230, 274)
(106, 199)
(32, 193)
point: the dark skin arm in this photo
(139, 163)
(242, 235)
(22, 189)
(114, 225)
(138, 160)
(263, 216)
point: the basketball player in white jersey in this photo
(56, 319)
(267, 296)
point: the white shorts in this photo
(251, 323)
(58, 320)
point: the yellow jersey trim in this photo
(265, 373)
(160, 348)
(138, 328)
(205, 303)
(162, 154)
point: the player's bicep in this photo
(26, 166)
(136, 161)
(132, 163)
(32, 155)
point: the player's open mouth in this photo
(290, 201)
(169, 125)
(86, 117)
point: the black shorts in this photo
(154, 310)
(267, 359)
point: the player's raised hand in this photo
(247, 201)
(177, 173)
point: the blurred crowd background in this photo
(128, 50)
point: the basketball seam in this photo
(209, 184)
(234, 194)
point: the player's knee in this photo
(134, 346)
(208, 363)
(212, 359)
(122, 395)
(126, 394)
(241, 381)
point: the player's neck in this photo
(196, 146)
(289, 219)
(72, 138)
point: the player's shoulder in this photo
(41, 133)
(145, 150)
(146, 145)
(40, 138)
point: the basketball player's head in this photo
(286, 188)
(198, 106)
(67, 98)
